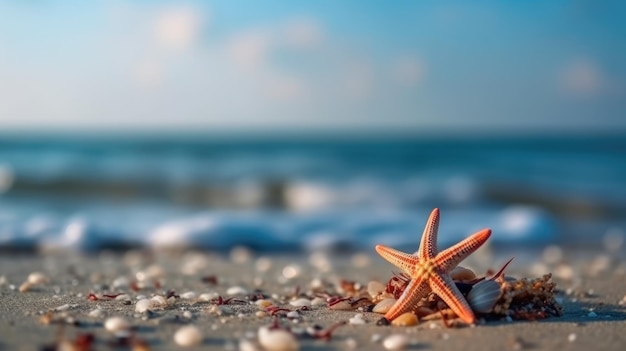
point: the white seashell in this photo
(277, 340)
(188, 295)
(375, 288)
(318, 301)
(37, 278)
(116, 324)
(293, 314)
(247, 345)
(208, 296)
(341, 305)
(123, 297)
(187, 336)
(384, 306)
(484, 296)
(236, 290)
(158, 300)
(357, 319)
(396, 342)
(300, 302)
(143, 305)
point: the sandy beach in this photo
(591, 288)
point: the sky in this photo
(415, 66)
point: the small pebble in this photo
(143, 305)
(116, 324)
(188, 336)
(571, 337)
(300, 302)
(357, 319)
(405, 320)
(236, 290)
(396, 342)
(188, 314)
(95, 313)
(318, 301)
(277, 340)
(208, 296)
(188, 295)
(261, 314)
(293, 314)
(376, 338)
(123, 297)
(263, 303)
(159, 300)
(291, 271)
(375, 288)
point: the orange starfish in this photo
(429, 269)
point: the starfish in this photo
(429, 269)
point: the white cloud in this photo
(250, 49)
(178, 27)
(581, 77)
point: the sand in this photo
(591, 285)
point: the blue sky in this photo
(323, 65)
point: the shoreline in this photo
(590, 290)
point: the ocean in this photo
(302, 193)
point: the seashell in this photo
(405, 320)
(396, 342)
(116, 324)
(484, 296)
(143, 305)
(300, 302)
(460, 273)
(263, 303)
(159, 300)
(277, 340)
(188, 295)
(375, 288)
(37, 278)
(340, 305)
(236, 290)
(318, 301)
(187, 336)
(357, 319)
(208, 296)
(384, 306)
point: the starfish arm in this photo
(406, 262)
(407, 302)
(451, 257)
(444, 287)
(428, 245)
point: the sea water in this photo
(303, 193)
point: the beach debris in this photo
(527, 299)
(34, 279)
(276, 339)
(144, 305)
(406, 319)
(188, 336)
(384, 306)
(236, 290)
(396, 342)
(429, 270)
(357, 319)
(300, 302)
(116, 324)
(484, 296)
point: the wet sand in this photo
(592, 286)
